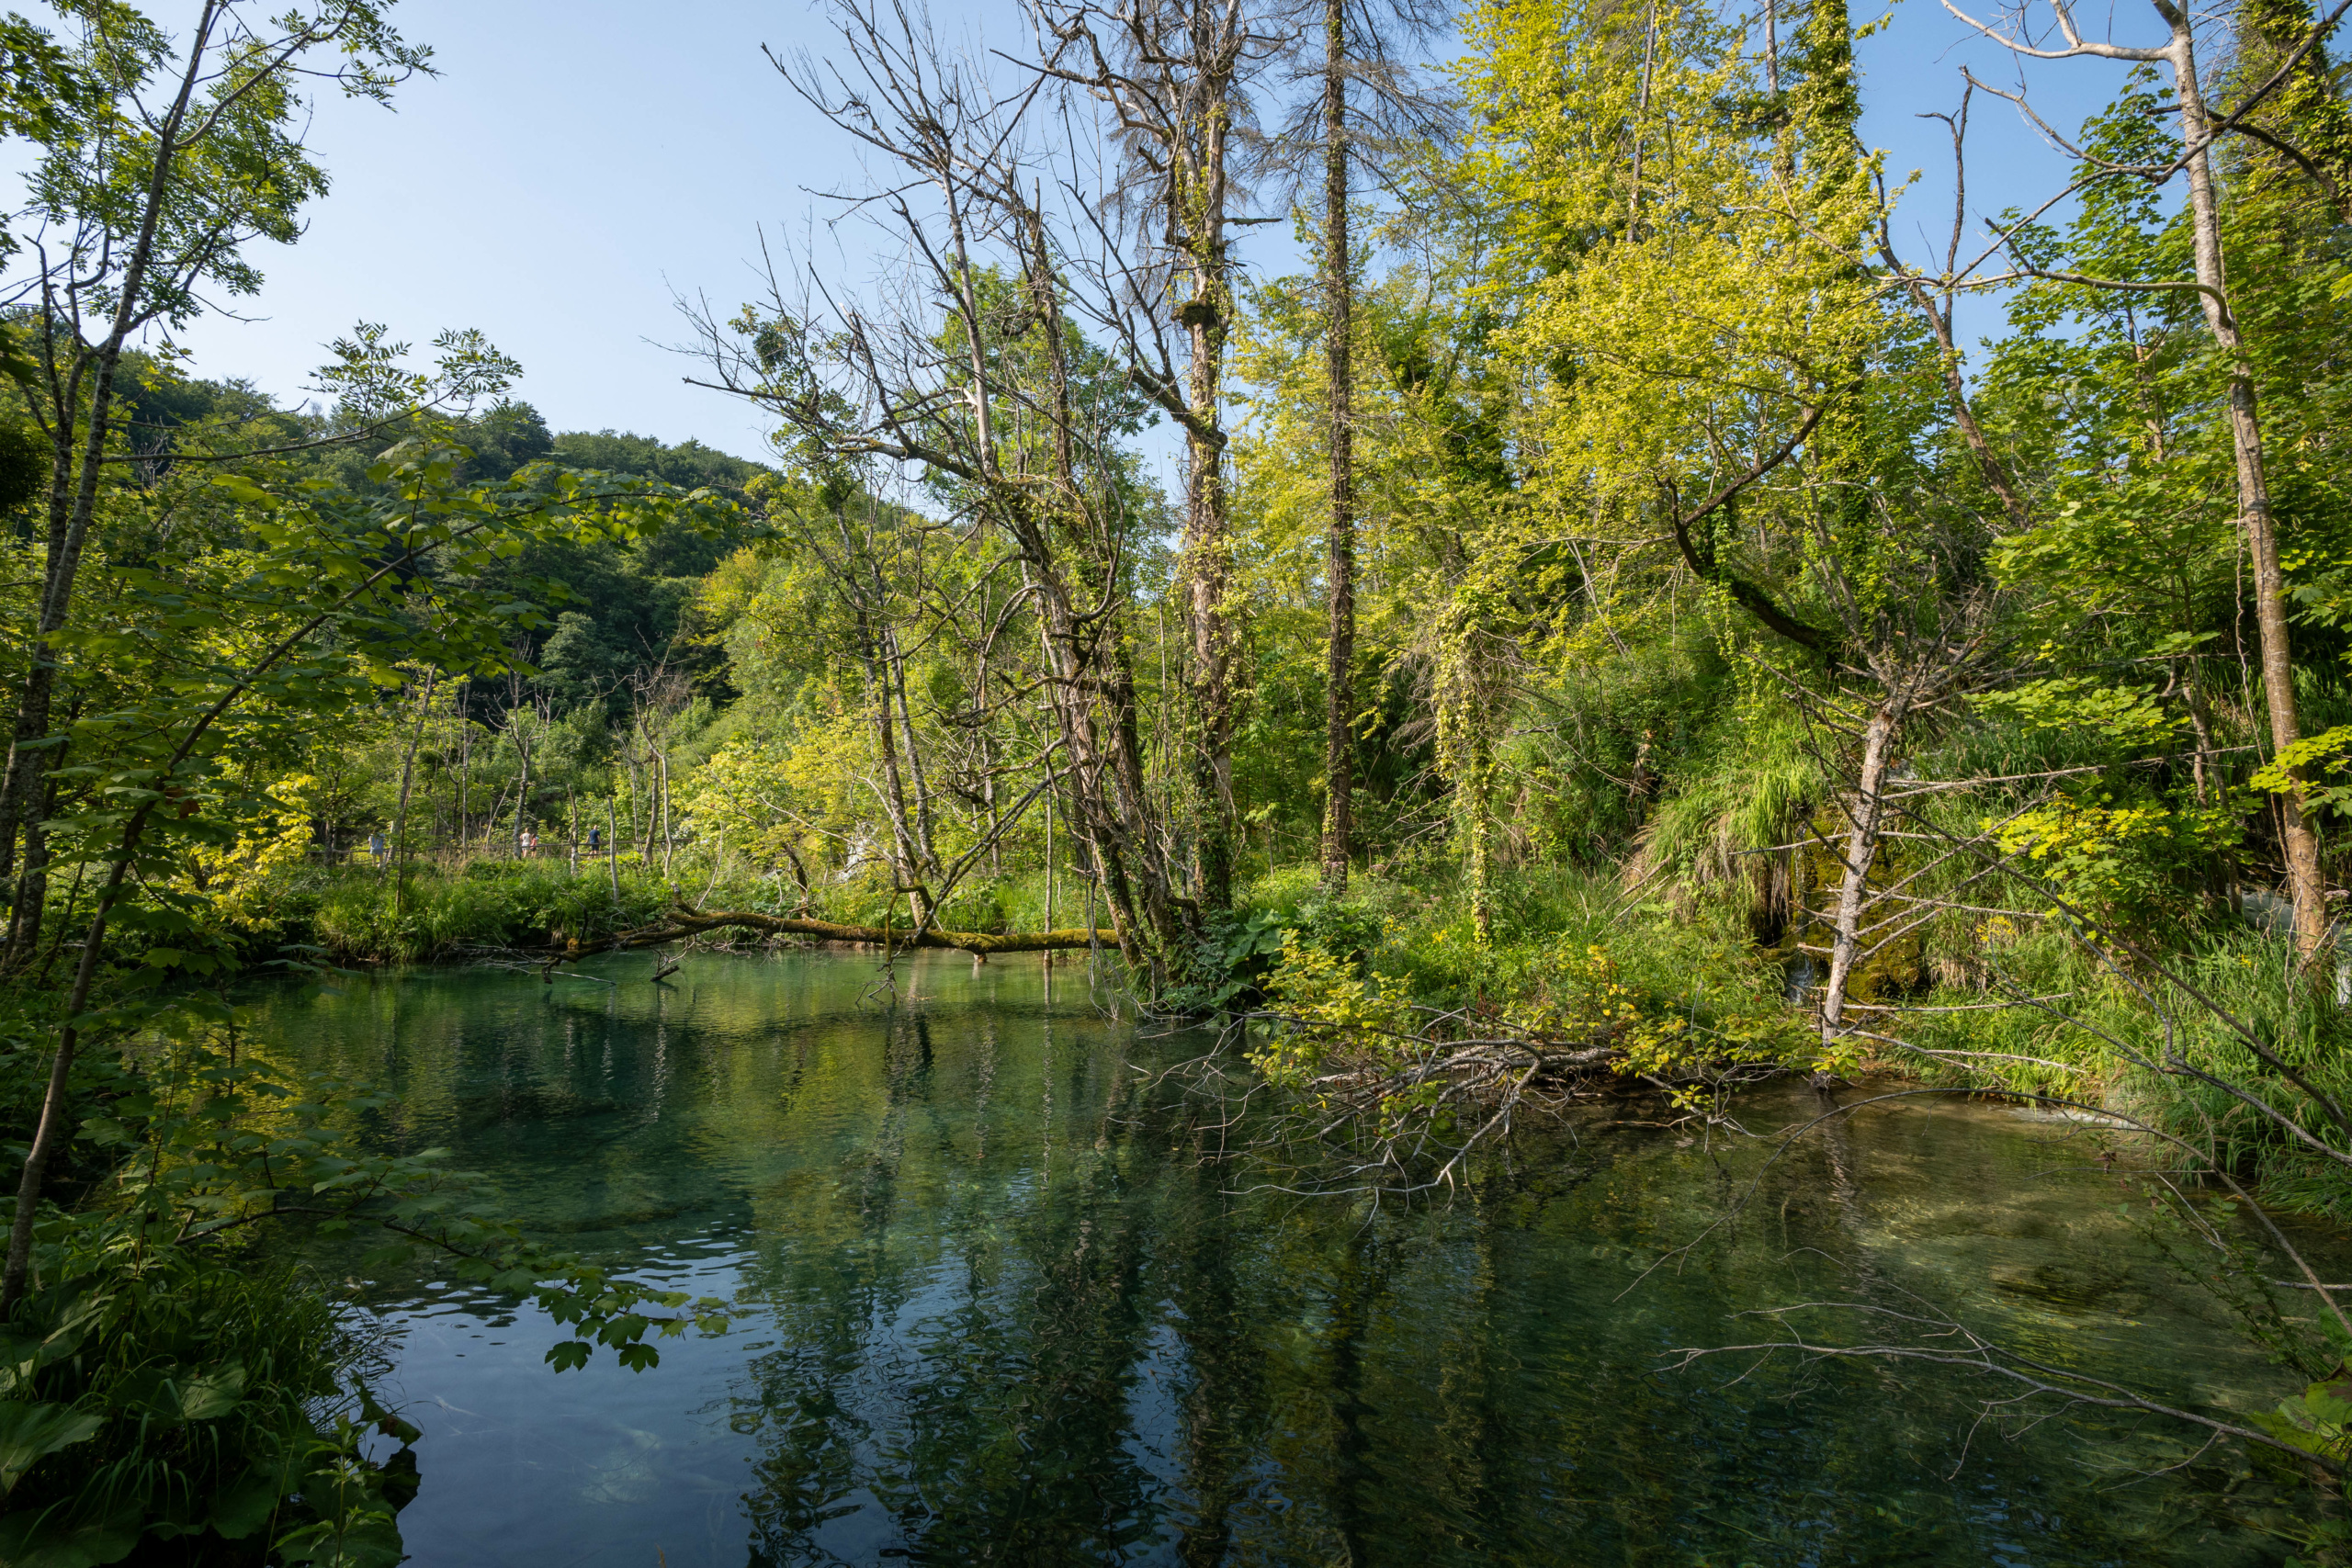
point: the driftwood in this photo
(682, 924)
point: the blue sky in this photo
(576, 163)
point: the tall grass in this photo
(1753, 790)
(2101, 1032)
(430, 913)
(358, 912)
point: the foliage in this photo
(427, 914)
(2114, 863)
(178, 1398)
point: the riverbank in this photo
(1677, 991)
(362, 914)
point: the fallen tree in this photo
(682, 924)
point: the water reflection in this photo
(998, 1307)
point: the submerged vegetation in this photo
(1603, 632)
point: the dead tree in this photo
(1177, 79)
(969, 372)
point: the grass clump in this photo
(426, 912)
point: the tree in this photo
(1177, 77)
(1359, 45)
(1339, 568)
(2191, 153)
(242, 648)
(973, 372)
(146, 189)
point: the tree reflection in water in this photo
(1001, 1305)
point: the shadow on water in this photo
(996, 1306)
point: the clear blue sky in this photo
(574, 164)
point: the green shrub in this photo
(158, 1398)
(428, 913)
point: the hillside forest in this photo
(1613, 607)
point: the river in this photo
(997, 1302)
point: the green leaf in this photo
(2329, 1405)
(214, 1394)
(245, 1504)
(175, 1396)
(373, 1542)
(19, 1358)
(566, 1354)
(44, 1540)
(623, 1330)
(29, 1433)
(104, 1131)
(2287, 1431)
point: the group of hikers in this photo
(528, 843)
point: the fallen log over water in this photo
(681, 924)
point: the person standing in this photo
(376, 847)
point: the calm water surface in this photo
(994, 1306)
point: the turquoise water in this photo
(998, 1302)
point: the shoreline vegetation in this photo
(1600, 625)
(1576, 969)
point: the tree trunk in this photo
(1208, 547)
(73, 488)
(49, 1131)
(906, 861)
(641, 833)
(1866, 819)
(612, 847)
(669, 839)
(522, 791)
(985, 736)
(32, 886)
(465, 778)
(682, 922)
(1199, 213)
(927, 867)
(2301, 844)
(1338, 736)
(1110, 810)
(400, 821)
(1479, 787)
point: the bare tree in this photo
(971, 373)
(657, 694)
(1178, 76)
